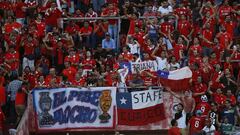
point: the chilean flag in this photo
(140, 108)
(177, 80)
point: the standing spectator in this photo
(230, 113)
(97, 5)
(162, 60)
(133, 45)
(165, 30)
(226, 127)
(29, 47)
(209, 128)
(188, 102)
(85, 34)
(20, 102)
(199, 89)
(99, 29)
(196, 123)
(12, 59)
(91, 14)
(183, 23)
(207, 37)
(112, 11)
(52, 15)
(20, 9)
(165, 9)
(12, 89)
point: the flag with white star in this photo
(124, 100)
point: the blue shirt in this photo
(108, 44)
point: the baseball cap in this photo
(107, 34)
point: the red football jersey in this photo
(196, 124)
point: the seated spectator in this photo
(108, 43)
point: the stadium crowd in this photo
(37, 52)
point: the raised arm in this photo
(173, 93)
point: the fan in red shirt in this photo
(218, 97)
(199, 89)
(174, 130)
(204, 106)
(206, 70)
(85, 33)
(138, 35)
(73, 57)
(126, 54)
(29, 46)
(12, 58)
(41, 26)
(179, 47)
(134, 22)
(52, 75)
(196, 46)
(20, 9)
(69, 71)
(2, 119)
(72, 28)
(166, 27)
(195, 72)
(181, 10)
(215, 84)
(52, 15)
(111, 10)
(185, 27)
(225, 38)
(196, 58)
(224, 10)
(207, 37)
(11, 25)
(231, 97)
(230, 25)
(20, 101)
(196, 123)
(79, 80)
(89, 63)
(149, 78)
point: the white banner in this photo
(74, 108)
(144, 65)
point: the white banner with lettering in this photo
(75, 108)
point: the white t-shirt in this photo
(162, 63)
(134, 48)
(211, 130)
(167, 10)
(182, 121)
(173, 66)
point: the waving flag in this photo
(177, 80)
(140, 107)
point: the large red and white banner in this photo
(140, 107)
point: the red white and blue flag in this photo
(177, 80)
(140, 107)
